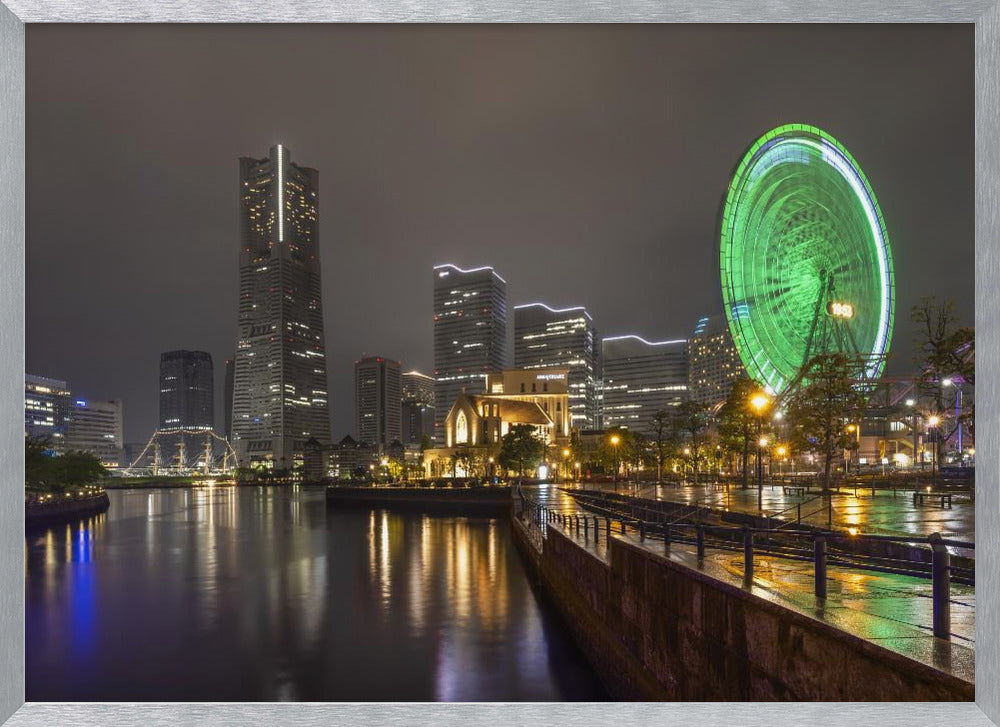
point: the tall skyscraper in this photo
(418, 387)
(46, 402)
(227, 398)
(187, 390)
(640, 378)
(470, 334)
(279, 382)
(96, 427)
(714, 362)
(377, 393)
(563, 337)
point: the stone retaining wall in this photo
(658, 630)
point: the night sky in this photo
(586, 163)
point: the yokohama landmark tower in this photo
(279, 387)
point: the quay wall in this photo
(48, 513)
(472, 500)
(655, 629)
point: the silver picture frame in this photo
(984, 14)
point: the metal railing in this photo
(792, 544)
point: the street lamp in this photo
(782, 451)
(855, 430)
(615, 439)
(932, 423)
(565, 454)
(760, 403)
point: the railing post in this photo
(622, 524)
(747, 554)
(607, 522)
(666, 537)
(597, 530)
(586, 528)
(941, 580)
(642, 530)
(798, 514)
(819, 565)
(700, 536)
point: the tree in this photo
(945, 351)
(520, 449)
(820, 409)
(690, 422)
(660, 424)
(737, 424)
(45, 470)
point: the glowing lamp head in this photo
(760, 401)
(565, 453)
(852, 428)
(762, 441)
(615, 439)
(933, 420)
(946, 382)
(781, 450)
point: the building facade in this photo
(476, 423)
(418, 387)
(417, 422)
(545, 337)
(470, 334)
(187, 390)
(279, 378)
(377, 401)
(640, 378)
(713, 361)
(96, 427)
(46, 402)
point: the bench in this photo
(919, 497)
(794, 489)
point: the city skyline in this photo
(521, 185)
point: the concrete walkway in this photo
(891, 610)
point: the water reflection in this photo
(263, 594)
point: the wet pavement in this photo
(885, 513)
(892, 610)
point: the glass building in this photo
(46, 402)
(279, 379)
(377, 394)
(714, 363)
(562, 337)
(187, 390)
(640, 378)
(470, 334)
(96, 427)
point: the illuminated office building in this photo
(640, 378)
(713, 361)
(418, 387)
(377, 393)
(417, 407)
(96, 427)
(279, 379)
(45, 404)
(470, 333)
(545, 337)
(187, 390)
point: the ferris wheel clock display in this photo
(805, 260)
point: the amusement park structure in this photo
(184, 451)
(805, 261)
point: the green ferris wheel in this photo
(805, 259)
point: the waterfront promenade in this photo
(887, 512)
(891, 610)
